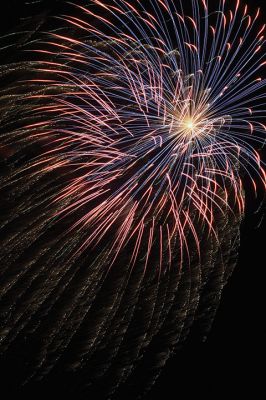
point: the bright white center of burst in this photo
(189, 124)
(199, 126)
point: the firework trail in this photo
(126, 144)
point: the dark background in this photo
(231, 363)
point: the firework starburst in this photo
(158, 111)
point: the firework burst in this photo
(130, 133)
(157, 111)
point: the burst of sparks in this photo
(161, 112)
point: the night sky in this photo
(230, 364)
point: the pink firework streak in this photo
(158, 114)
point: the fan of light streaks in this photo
(159, 112)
